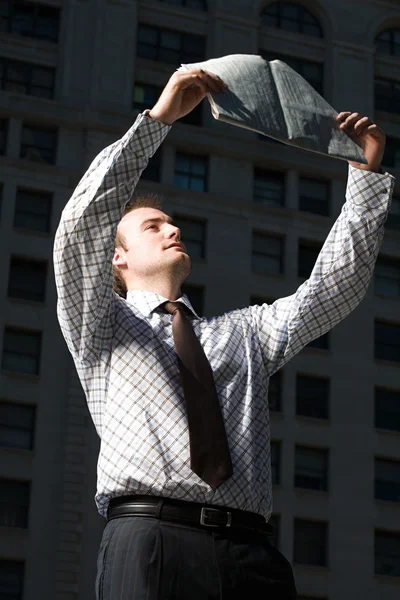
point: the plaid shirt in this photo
(123, 348)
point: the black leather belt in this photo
(189, 513)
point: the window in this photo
(26, 78)
(312, 396)
(3, 135)
(267, 253)
(314, 196)
(312, 72)
(276, 462)
(275, 520)
(391, 158)
(195, 4)
(393, 220)
(387, 553)
(168, 46)
(387, 480)
(387, 95)
(11, 579)
(17, 424)
(387, 341)
(387, 276)
(145, 96)
(21, 351)
(195, 294)
(322, 343)
(193, 233)
(268, 188)
(29, 19)
(310, 542)
(308, 254)
(33, 210)
(39, 144)
(275, 391)
(388, 42)
(291, 17)
(311, 468)
(387, 409)
(153, 170)
(27, 279)
(14, 503)
(191, 172)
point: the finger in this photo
(343, 115)
(216, 78)
(211, 82)
(361, 125)
(351, 120)
(195, 80)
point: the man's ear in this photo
(119, 259)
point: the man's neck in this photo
(166, 290)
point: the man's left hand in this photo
(367, 135)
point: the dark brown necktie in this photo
(209, 451)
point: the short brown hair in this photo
(147, 200)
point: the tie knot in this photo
(172, 307)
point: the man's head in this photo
(148, 253)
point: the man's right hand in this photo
(183, 92)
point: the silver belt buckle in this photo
(203, 516)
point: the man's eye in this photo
(151, 227)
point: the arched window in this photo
(291, 17)
(388, 42)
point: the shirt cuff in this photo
(368, 190)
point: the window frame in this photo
(392, 419)
(51, 153)
(182, 55)
(37, 8)
(325, 204)
(203, 226)
(29, 68)
(258, 234)
(302, 14)
(31, 429)
(324, 414)
(324, 453)
(264, 175)
(324, 525)
(192, 176)
(384, 324)
(34, 334)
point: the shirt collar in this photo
(147, 302)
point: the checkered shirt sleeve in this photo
(339, 279)
(84, 241)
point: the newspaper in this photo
(269, 97)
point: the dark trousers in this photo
(143, 558)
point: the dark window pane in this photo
(275, 462)
(322, 343)
(387, 341)
(312, 397)
(267, 254)
(3, 135)
(27, 279)
(311, 468)
(291, 17)
(274, 520)
(268, 188)
(153, 170)
(275, 391)
(391, 157)
(310, 542)
(27, 78)
(16, 425)
(193, 235)
(393, 220)
(388, 42)
(387, 553)
(31, 20)
(21, 351)
(387, 480)
(169, 46)
(314, 196)
(191, 171)
(39, 145)
(11, 579)
(387, 276)
(145, 96)
(387, 95)
(14, 503)
(33, 210)
(387, 409)
(308, 254)
(196, 296)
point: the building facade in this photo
(254, 213)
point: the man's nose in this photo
(174, 232)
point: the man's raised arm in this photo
(84, 241)
(344, 267)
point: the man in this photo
(179, 402)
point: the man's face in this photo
(154, 247)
